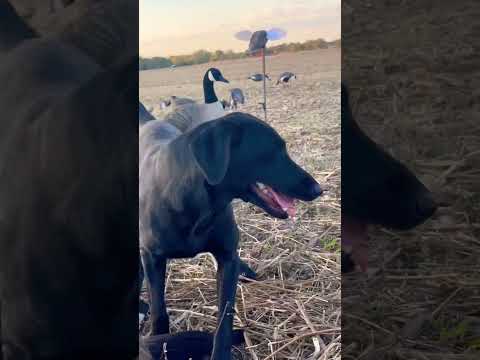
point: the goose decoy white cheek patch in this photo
(211, 77)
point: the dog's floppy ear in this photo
(211, 149)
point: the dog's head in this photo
(243, 157)
(376, 188)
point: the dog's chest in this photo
(182, 235)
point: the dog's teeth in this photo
(260, 186)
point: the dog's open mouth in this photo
(354, 244)
(273, 202)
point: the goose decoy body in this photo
(212, 108)
(285, 77)
(258, 77)
(179, 101)
(237, 97)
(188, 113)
(225, 104)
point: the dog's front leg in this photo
(155, 268)
(246, 271)
(227, 278)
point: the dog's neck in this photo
(219, 200)
(191, 188)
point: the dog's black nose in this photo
(316, 190)
(425, 206)
(347, 265)
(307, 190)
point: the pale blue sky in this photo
(172, 27)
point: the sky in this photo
(176, 27)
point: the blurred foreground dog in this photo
(376, 189)
(68, 199)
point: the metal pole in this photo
(264, 85)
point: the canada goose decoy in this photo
(225, 104)
(258, 43)
(285, 77)
(212, 108)
(236, 97)
(258, 39)
(165, 103)
(179, 101)
(257, 77)
(191, 113)
(211, 76)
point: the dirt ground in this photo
(414, 75)
(293, 310)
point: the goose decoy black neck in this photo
(212, 75)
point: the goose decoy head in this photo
(166, 103)
(225, 104)
(213, 74)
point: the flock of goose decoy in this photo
(213, 107)
(284, 78)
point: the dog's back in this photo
(155, 136)
(143, 114)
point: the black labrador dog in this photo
(376, 189)
(187, 183)
(194, 345)
(187, 124)
(68, 200)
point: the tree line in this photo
(204, 56)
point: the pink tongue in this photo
(286, 203)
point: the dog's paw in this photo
(247, 272)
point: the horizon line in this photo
(227, 50)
